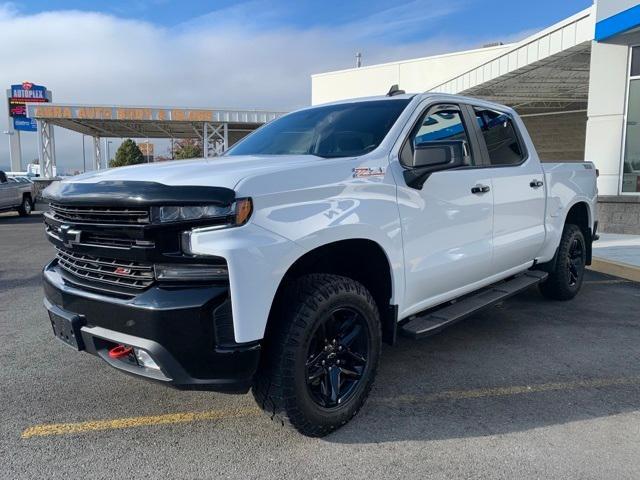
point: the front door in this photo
(447, 223)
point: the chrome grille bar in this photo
(109, 271)
(115, 215)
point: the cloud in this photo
(230, 58)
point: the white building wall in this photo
(608, 8)
(606, 112)
(416, 75)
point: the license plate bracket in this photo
(66, 327)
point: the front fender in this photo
(257, 261)
(357, 210)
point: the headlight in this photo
(190, 212)
(236, 214)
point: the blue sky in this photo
(465, 17)
(222, 54)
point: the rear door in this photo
(519, 196)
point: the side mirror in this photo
(435, 156)
(439, 155)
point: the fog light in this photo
(144, 359)
(190, 272)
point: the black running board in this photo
(434, 321)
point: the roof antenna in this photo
(358, 60)
(395, 90)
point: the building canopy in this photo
(216, 128)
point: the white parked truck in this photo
(16, 193)
(283, 265)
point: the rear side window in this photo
(500, 137)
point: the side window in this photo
(3, 178)
(436, 125)
(500, 137)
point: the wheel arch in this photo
(580, 215)
(360, 259)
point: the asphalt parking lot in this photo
(528, 389)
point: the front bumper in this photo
(176, 325)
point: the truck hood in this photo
(215, 172)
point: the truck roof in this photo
(419, 96)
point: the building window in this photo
(635, 62)
(631, 166)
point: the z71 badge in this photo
(368, 172)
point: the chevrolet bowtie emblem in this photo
(68, 235)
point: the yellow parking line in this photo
(607, 282)
(132, 422)
(186, 417)
(507, 391)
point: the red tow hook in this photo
(120, 351)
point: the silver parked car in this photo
(16, 194)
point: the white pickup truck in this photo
(283, 265)
(16, 194)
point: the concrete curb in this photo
(617, 269)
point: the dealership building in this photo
(576, 85)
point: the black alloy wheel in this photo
(565, 280)
(337, 357)
(575, 261)
(320, 354)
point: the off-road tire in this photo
(280, 385)
(558, 286)
(26, 207)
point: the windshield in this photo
(343, 130)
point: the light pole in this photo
(109, 142)
(84, 157)
(10, 133)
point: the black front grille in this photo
(107, 271)
(111, 240)
(110, 215)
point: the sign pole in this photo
(15, 152)
(18, 96)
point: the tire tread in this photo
(556, 287)
(273, 387)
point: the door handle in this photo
(535, 183)
(478, 189)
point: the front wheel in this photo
(566, 279)
(321, 357)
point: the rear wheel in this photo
(26, 207)
(320, 359)
(565, 281)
